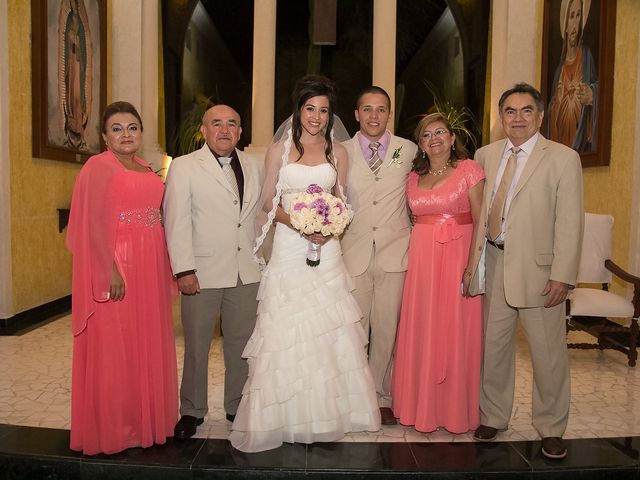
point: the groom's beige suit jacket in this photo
(380, 206)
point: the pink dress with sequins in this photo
(436, 376)
(124, 381)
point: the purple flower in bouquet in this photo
(322, 209)
(313, 188)
(316, 211)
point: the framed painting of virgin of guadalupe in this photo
(68, 78)
(577, 76)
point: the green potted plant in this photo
(188, 136)
(461, 119)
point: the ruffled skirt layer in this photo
(309, 380)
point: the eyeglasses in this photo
(440, 132)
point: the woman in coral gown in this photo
(436, 376)
(124, 378)
(309, 380)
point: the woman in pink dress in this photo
(436, 377)
(124, 378)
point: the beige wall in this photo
(6, 297)
(41, 265)
(40, 262)
(608, 189)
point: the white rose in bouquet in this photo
(317, 211)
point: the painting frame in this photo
(62, 86)
(599, 31)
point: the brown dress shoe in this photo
(484, 433)
(554, 447)
(387, 417)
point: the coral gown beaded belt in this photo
(148, 216)
(440, 218)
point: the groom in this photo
(210, 203)
(376, 243)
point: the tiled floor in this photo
(35, 391)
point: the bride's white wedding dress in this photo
(309, 380)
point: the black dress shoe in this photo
(554, 447)
(485, 433)
(387, 417)
(231, 417)
(186, 427)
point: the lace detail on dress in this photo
(148, 217)
(275, 201)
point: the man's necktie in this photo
(375, 162)
(497, 206)
(229, 173)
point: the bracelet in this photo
(466, 273)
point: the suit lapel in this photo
(211, 166)
(491, 166)
(248, 193)
(394, 144)
(363, 162)
(359, 161)
(532, 163)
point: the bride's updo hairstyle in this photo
(308, 87)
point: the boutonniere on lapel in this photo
(395, 158)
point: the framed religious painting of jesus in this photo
(68, 77)
(577, 76)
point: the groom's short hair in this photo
(373, 89)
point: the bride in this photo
(309, 379)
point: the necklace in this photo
(441, 171)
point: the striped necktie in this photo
(500, 197)
(230, 174)
(375, 162)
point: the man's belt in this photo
(499, 246)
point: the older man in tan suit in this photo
(376, 243)
(533, 218)
(210, 204)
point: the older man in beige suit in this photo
(532, 214)
(376, 243)
(210, 204)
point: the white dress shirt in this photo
(525, 150)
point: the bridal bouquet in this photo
(316, 211)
